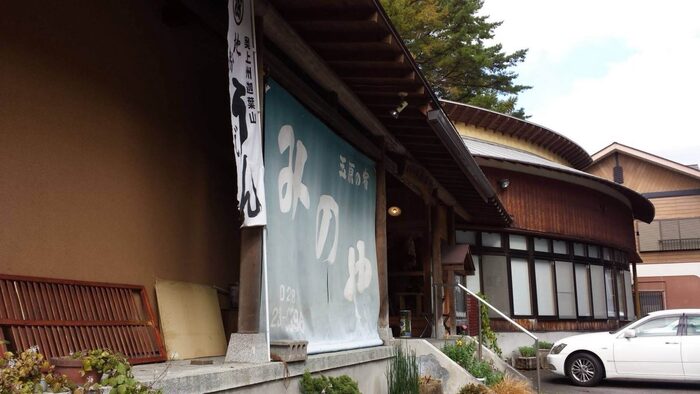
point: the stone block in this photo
(247, 348)
(288, 350)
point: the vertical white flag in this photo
(245, 112)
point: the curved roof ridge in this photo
(524, 129)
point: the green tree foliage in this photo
(452, 45)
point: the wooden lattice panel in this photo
(63, 316)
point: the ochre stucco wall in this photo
(115, 146)
(503, 139)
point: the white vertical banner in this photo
(245, 112)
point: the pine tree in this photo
(449, 39)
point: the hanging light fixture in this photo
(394, 211)
(402, 105)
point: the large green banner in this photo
(321, 254)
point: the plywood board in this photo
(190, 319)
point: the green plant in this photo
(545, 345)
(527, 351)
(484, 370)
(327, 385)
(489, 337)
(474, 388)
(402, 373)
(115, 370)
(461, 352)
(23, 373)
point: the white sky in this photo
(604, 71)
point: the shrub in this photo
(327, 385)
(402, 373)
(483, 369)
(473, 388)
(527, 351)
(545, 345)
(512, 386)
(22, 373)
(462, 352)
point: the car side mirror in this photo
(630, 334)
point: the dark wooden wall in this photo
(551, 206)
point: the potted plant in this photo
(527, 359)
(543, 351)
(87, 366)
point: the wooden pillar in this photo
(251, 280)
(381, 243)
(637, 305)
(438, 286)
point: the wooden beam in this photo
(381, 244)
(438, 284)
(321, 108)
(282, 35)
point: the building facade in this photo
(669, 276)
(564, 262)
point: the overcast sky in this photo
(614, 70)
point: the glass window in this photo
(583, 290)
(565, 289)
(693, 325)
(579, 250)
(495, 272)
(660, 327)
(621, 305)
(544, 276)
(631, 315)
(460, 304)
(473, 282)
(466, 237)
(598, 290)
(520, 280)
(593, 251)
(559, 247)
(610, 292)
(492, 240)
(542, 245)
(518, 242)
(606, 254)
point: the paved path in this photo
(556, 384)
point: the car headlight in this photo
(557, 349)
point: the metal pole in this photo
(537, 353)
(478, 304)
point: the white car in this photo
(664, 345)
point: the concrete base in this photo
(386, 335)
(247, 348)
(432, 361)
(366, 366)
(511, 341)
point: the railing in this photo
(680, 244)
(509, 320)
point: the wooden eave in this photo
(521, 129)
(359, 44)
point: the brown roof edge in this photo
(448, 134)
(560, 145)
(450, 138)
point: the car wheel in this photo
(584, 369)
